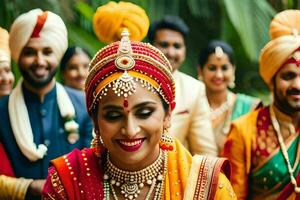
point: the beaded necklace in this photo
(130, 183)
(284, 149)
(217, 112)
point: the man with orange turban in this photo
(263, 146)
(40, 119)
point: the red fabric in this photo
(222, 165)
(39, 25)
(263, 123)
(288, 190)
(5, 166)
(81, 175)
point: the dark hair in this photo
(71, 51)
(210, 49)
(172, 22)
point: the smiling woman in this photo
(130, 93)
(6, 76)
(217, 70)
(74, 67)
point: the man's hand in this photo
(36, 187)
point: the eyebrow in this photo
(109, 106)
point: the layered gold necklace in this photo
(283, 148)
(130, 183)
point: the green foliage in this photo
(242, 23)
(251, 22)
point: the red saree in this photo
(79, 175)
(5, 166)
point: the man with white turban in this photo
(263, 146)
(41, 119)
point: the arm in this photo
(201, 138)
(13, 188)
(53, 188)
(235, 151)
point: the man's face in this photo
(38, 63)
(171, 43)
(286, 87)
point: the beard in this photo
(285, 104)
(35, 81)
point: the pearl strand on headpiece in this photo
(284, 149)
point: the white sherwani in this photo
(191, 122)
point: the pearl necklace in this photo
(217, 112)
(130, 183)
(284, 149)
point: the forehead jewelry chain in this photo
(130, 183)
(284, 150)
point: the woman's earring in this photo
(231, 85)
(97, 143)
(166, 141)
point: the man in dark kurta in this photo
(40, 120)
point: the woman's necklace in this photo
(217, 112)
(284, 149)
(131, 183)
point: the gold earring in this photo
(166, 141)
(200, 78)
(97, 143)
(231, 85)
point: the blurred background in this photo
(242, 23)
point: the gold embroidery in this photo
(56, 183)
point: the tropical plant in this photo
(242, 23)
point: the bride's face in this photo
(131, 134)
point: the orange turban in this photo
(44, 26)
(4, 48)
(285, 40)
(111, 19)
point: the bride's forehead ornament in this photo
(122, 65)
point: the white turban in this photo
(53, 32)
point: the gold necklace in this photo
(225, 106)
(284, 149)
(131, 183)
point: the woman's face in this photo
(76, 71)
(217, 73)
(131, 134)
(6, 79)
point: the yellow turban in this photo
(284, 31)
(4, 48)
(52, 31)
(111, 19)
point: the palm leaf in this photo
(251, 19)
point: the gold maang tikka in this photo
(125, 84)
(219, 52)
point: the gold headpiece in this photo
(121, 65)
(219, 52)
